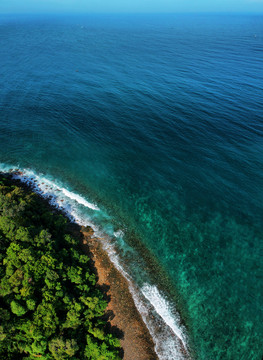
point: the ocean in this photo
(150, 129)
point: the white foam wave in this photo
(79, 199)
(162, 307)
(118, 234)
(167, 345)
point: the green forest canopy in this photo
(50, 306)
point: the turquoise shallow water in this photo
(158, 121)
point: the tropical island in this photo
(51, 304)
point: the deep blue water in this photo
(159, 121)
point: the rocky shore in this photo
(123, 315)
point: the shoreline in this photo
(122, 314)
(136, 340)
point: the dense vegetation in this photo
(50, 306)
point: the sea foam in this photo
(79, 199)
(163, 309)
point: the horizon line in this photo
(135, 13)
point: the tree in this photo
(63, 349)
(17, 308)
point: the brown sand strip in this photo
(136, 341)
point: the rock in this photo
(87, 230)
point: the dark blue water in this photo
(159, 121)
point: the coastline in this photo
(136, 340)
(122, 314)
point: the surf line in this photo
(47, 188)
